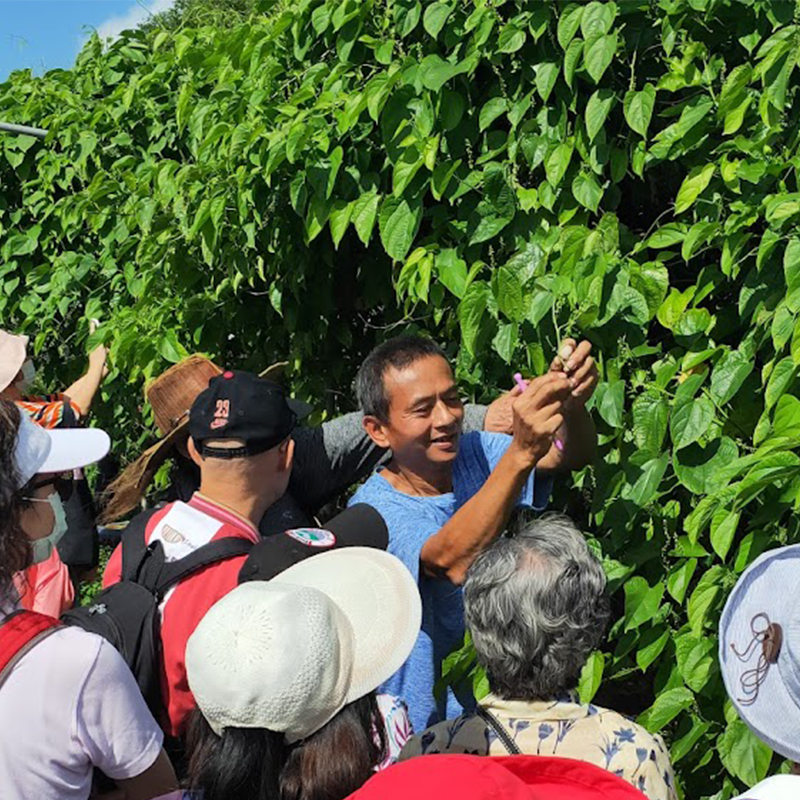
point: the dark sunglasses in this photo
(62, 484)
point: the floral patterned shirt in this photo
(562, 727)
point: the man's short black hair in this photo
(399, 353)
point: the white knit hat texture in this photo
(288, 654)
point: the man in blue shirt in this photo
(446, 495)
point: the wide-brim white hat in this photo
(778, 787)
(290, 653)
(13, 349)
(41, 450)
(767, 699)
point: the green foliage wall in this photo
(500, 174)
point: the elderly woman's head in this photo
(536, 607)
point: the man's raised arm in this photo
(538, 414)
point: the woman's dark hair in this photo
(15, 550)
(257, 764)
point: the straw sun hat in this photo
(170, 395)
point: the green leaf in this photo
(470, 313)
(557, 163)
(779, 381)
(693, 186)
(496, 209)
(642, 601)
(743, 754)
(791, 264)
(405, 169)
(511, 39)
(597, 18)
(597, 111)
(729, 374)
(339, 219)
(598, 54)
(365, 211)
(169, 348)
(690, 421)
(568, 23)
(434, 72)
(667, 235)
(610, 403)
(399, 222)
(591, 676)
(645, 490)
(571, 60)
(506, 340)
(650, 414)
(587, 191)
(638, 108)
(695, 658)
(491, 111)
(509, 294)
(723, 528)
(698, 468)
(435, 17)
(452, 271)
(546, 77)
(651, 646)
(679, 579)
(666, 707)
(703, 598)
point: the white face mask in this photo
(28, 377)
(43, 548)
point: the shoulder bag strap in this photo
(134, 543)
(19, 632)
(211, 553)
(502, 734)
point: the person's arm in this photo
(157, 780)
(84, 389)
(578, 436)
(537, 417)
(328, 460)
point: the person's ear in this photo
(376, 430)
(286, 451)
(193, 454)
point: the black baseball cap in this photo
(240, 405)
(358, 526)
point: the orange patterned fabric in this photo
(51, 411)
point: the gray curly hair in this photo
(536, 606)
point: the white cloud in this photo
(133, 17)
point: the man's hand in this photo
(99, 356)
(500, 414)
(539, 413)
(574, 361)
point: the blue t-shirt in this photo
(411, 522)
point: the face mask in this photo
(43, 548)
(28, 376)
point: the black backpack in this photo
(126, 614)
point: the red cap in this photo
(496, 778)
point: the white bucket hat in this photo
(13, 350)
(288, 654)
(42, 450)
(759, 649)
(778, 787)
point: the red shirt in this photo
(182, 527)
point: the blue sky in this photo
(48, 34)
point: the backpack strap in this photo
(502, 734)
(20, 631)
(211, 553)
(134, 544)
